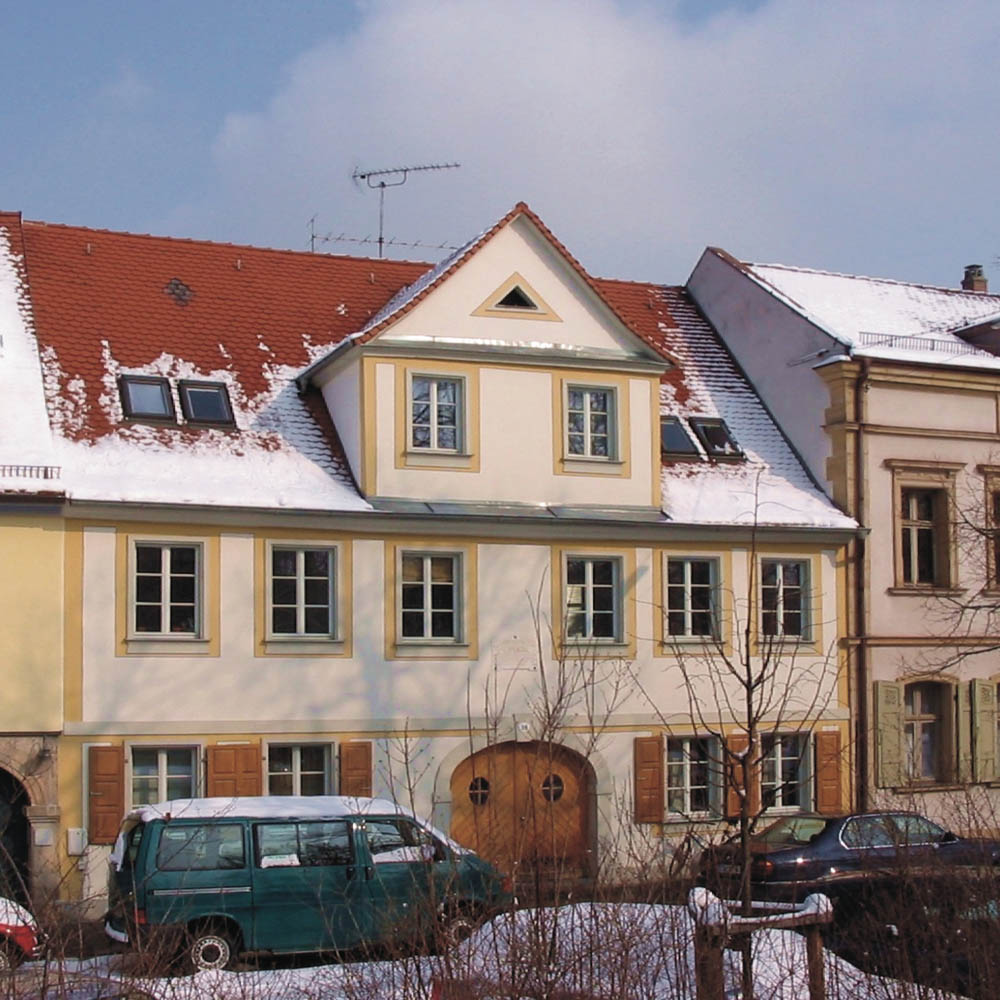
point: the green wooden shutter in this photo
(984, 730)
(889, 733)
(963, 720)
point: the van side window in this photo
(399, 840)
(206, 847)
(325, 843)
(277, 845)
(310, 844)
(134, 840)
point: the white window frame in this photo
(714, 610)
(333, 616)
(460, 396)
(612, 414)
(297, 772)
(803, 781)
(161, 749)
(805, 634)
(587, 593)
(458, 604)
(165, 545)
(714, 786)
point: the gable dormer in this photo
(456, 391)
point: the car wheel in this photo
(10, 957)
(209, 948)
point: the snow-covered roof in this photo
(882, 318)
(770, 486)
(268, 807)
(28, 463)
(106, 305)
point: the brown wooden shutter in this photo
(735, 744)
(233, 771)
(649, 781)
(829, 794)
(107, 793)
(356, 768)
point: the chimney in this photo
(974, 280)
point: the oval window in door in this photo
(479, 791)
(552, 788)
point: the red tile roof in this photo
(96, 293)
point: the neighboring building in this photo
(888, 395)
(31, 599)
(349, 525)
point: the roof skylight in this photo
(205, 402)
(716, 438)
(675, 442)
(146, 397)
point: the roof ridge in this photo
(868, 277)
(188, 241)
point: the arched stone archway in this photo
(14, 838)
(526, 804)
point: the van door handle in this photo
(369, 872)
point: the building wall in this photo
(424, 709)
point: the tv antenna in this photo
(392, 177)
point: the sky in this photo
(855, 136)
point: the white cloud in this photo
(852, 135)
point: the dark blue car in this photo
(800, 854)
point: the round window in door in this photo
(479, 791)
(552, 788)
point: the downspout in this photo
(860, 587)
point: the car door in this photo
(200, 870)
(412, 873)
(309, 892)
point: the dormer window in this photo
(675, 442)
(716, 438)
(146, 397)
(205, 402)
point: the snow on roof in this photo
(28, 463)
(770, 487)
(882, 318)
(267, 807)
(111, 304)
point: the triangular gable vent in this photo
(515, 297)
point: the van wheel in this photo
(209, 948)
(456, 926)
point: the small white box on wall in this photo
(76, 841)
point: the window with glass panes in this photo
(690, 763)
(784, 771)
(435, 413)
(691, 599)
(590, 422)
(591, 598)
(923, 730)
(302, 591)
(298, 770)
(921, 536)
(166, 589)
(993, 537)
(784, 597)
(162, 773)
(428, 598)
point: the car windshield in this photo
(791, 830)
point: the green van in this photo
(286, 874)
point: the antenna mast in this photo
(392, 177)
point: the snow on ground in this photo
(600, 950)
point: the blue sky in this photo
(854, 136)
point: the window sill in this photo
(592, 460)
(427, 458)
(302, 645)
(930, 786)
(431, 649)
(159, 645)
(595, 647)
(915, 590)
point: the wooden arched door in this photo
(524, 804)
